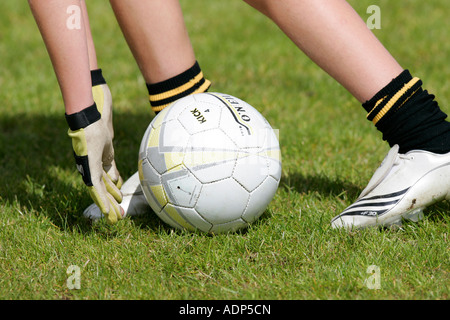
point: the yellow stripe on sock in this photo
(200, 89)
(178, 90)
(159, 108)
(394, 99)
(376, 105)
(203, 87)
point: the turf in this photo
(329, 152)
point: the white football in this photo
(209, 162)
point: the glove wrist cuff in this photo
(97, 77)
(82, 119)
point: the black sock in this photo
(163, 93)
(409, 116)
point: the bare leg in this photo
(93, 65)
(68, 50)
(156, 35)
(333, 35)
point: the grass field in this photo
(329, 153)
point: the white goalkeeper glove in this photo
(94, 157)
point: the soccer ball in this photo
(209, 162)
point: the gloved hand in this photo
(103, 100)
(94, 157)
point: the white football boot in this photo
(400, 188)
(133, 203)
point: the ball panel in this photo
(181, 187)
(272, 150)
(151, 200)
(251, 169)
(152, 152)
(210, 156)
(193, 218)
(222, 201)
(160, 194)
(173, 140)
(144, 143)
(160, 118)
(200, 115)
(166, 145)
(260, 199)
(148, 173)
(171, 112)
(274, 165)
(241, 122)
(151, 186)
(174, 216)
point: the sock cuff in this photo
(391, 88)
(97, 77)
(161, 94)
(392, 97)
(391, 103)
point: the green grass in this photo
(329, 153)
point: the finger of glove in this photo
(108, 205)
(112, 187)
(105, 194)
(98, 144)
(116, 212)
(110, 167)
